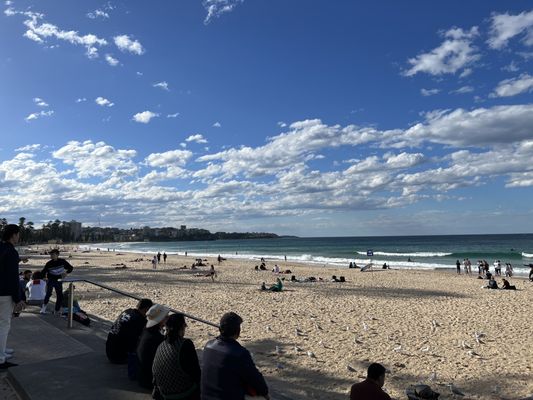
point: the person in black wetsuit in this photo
(54, 270)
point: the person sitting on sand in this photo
(492, 283)
(176, 368)
(385, 266)
(276, 287)
(276, 269)
(371, 387)
(507, 286)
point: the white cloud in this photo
(175, 115)
(101, 101)
(144, 117)
(454, 54)
(463, 90)
(97, 159)
(169, 158)
(511, 67)
(40, 102)
(196, 138)
(282, 124)
(125, 44)
(111, 60)
(39, 31)
(217, 125)
(29, 148)
(466, 72)
(215, 8)
(505, 26)
(98, 14)
(37, 115)
(81, 99)
(429, 92)
(514, 86)
(162, 85)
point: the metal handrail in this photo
(71, 281)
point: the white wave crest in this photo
(416, 254)
(527, 255)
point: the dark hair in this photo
(175, 323)
(54, 251)
(28, 271)
(375, 371)
(9, 231)
(230, 324)
(37, 275)
(144, 304)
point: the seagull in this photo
(356, 340)
(268, 328)
(297, 349)
(350, 368)
(465, 345)
(298, 332)
(478, 336)
(365, 326)
(435, 324)
(424, 349)
(398, 349)
(455, 390)
(433, 376)
(317, 326)
(311, 354)
(473, 354)
(278, 350)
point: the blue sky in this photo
(303, 117)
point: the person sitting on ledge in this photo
(176, 368)
(122, 339)
(506, 285)
(371, 387)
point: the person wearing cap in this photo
(10, 297)
(150, 340)
(125, 332)
(176, 368)
(228, 371)
(371, 387)
(54, 270)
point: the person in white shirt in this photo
(36, 289)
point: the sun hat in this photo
(156, 314)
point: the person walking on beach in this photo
(154, 262)
(458, 265)
(508, 270)
(165, 257)
(54, 270)
(465, 266)
(229, 372)
(158, 257)
(371, 387)
(10, 299)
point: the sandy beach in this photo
(419, 324)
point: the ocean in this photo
(424, 252)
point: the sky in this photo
(308, 118)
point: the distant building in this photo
(183, 227)
(75, 230)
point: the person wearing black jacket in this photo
(228, 371)
(54, 270)
(125, 332)
(150, 340)
(10, 298)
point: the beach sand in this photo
(381, 316)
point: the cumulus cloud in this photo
(196, 138)
(455, 53)
(125, 44)
(103, 102)
(429, 92)
(111, 60)
(37, 115)
(169, 158)
(161, 85)
(144, 117)
(40, 102)
(98, 14)
(40, 31)
(506, 26)
(217, 125)
(97, 159)
(29, 148)
(514, 86)
(215, 8)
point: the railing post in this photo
(70, 304)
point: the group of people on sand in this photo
(151, 341)
(156, 259)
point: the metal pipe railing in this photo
(71, 281)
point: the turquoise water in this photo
(425, 252)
